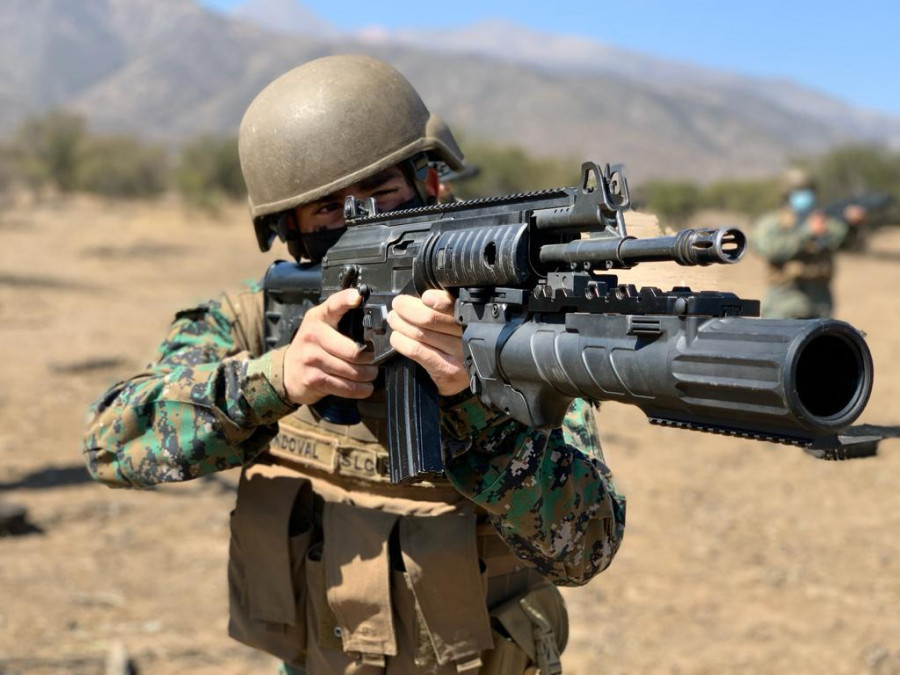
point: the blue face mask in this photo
(802, 201)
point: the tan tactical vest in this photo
(808, 266)
(334, 569)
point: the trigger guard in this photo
(376, 331)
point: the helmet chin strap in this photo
(287, 230)
(416, 171)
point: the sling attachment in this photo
(546, 650)
(374, 660)
(470, 666)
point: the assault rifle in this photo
(545, 322)
(871, 202)
(876, 205)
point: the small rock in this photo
(13, 520)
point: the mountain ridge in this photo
(168, 70)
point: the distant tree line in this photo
(849, 171)
(508, 170)
(55, 150)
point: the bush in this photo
(121, 166)
(507, 170)
(752, 197)
(48, 148)
(209, 171)
(856, 169)
(8, 166)
(672, 201)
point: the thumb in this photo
(439, 300)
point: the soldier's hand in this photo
(425, 330)
(817, 224)
(854, 214)
(321, 361)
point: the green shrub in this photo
(121, 166)
(672, 201)
(857, 169)
(507, 170)
(48, 147)
(8, 166)
(752, 197)
(209, 171)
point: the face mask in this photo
(316, 244)
(413, 203)
(802, 201)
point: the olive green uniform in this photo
(800, 265)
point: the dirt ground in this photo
(739, 557)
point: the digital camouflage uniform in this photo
(800, 265)
(212, 401)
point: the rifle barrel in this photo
(703, 246)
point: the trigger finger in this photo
(339, 304)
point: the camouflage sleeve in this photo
(202, 406)
(779, 244)
(549, 494)
(836, 232)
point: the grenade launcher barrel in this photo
(796, 382)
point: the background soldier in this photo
(332, 568)
(799, 242)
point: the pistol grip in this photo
(335, 409)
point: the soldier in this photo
(332, 568)
(799, 242)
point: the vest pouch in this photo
(530, 633)
(507, 658)
(271, 532)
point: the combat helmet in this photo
(796, 178)
(328, 124)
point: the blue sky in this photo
(848, 49)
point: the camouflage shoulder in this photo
(767, 221)
(212, 326)
(246, 306)
(837, 227)
(223, 309)
(580, 428)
